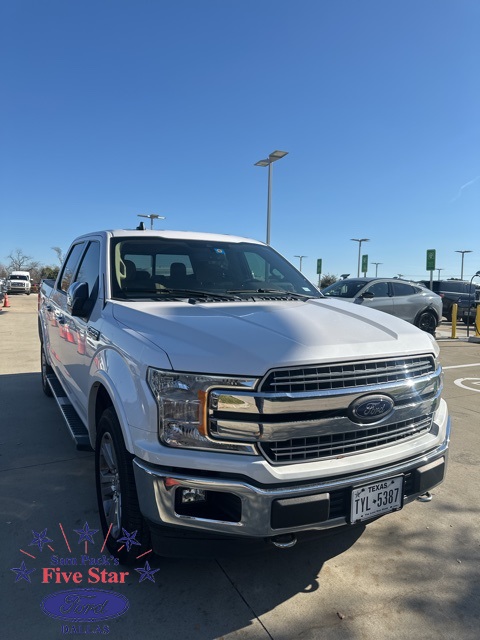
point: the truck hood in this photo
(249, 338)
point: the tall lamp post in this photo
(440, 269)
(359, 240)
(301, 258)
(376, 267)
(267, 162)
(463, 256)
(152, 216)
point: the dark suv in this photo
(454, 291)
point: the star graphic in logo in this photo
(40, 539)
(146, 573)
(23, 573)
(86, 533)
(129, 539)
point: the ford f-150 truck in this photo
(226, 400)
(19, 282)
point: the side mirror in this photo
(77, 297)
(368, 295)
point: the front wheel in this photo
(122, 523)
(427, 321)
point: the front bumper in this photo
(236, 507)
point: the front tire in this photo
(427, 321)
(118, 506)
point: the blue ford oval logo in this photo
(370, 408)
(85, 605)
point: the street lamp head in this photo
(360, 239)
(464, 251)
(273, 157)
(151, 216)
(276, 155)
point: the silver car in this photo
(407, 300)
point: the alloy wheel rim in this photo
(110, 486)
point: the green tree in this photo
(327, 280)
(49, 271)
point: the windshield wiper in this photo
(281, 292)
(195, 293)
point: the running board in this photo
(77, 429)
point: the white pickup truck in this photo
(19, 282)
(227, 401)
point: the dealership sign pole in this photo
(319, 271)
(431, 264)
(364, 265)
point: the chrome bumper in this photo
(157, 489)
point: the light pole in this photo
(477, 329)
(440, 269)
(463, 256)
(301, 258)
(376, 267)
(152, 216)
(359, 240)
(273, 157)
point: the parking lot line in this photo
(460, 366)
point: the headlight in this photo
(182, 408)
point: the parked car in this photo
(467, 309)
(407, 300)
(454, 292)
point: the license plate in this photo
(375, 499)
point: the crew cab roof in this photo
(169, 234)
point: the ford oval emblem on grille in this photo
(370, 408)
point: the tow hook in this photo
(285, 541)
(425, 497)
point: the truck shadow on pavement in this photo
(46, 485)
(417, 569)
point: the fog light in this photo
(189, 495)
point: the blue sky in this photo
(110, 108)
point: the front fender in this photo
(125, 383)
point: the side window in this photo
(379, 289)
(89, 268)
(66, 277)
(402, 289)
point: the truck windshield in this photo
(14, 277)
(145, 266)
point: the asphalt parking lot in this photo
(412, 574)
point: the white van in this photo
(19, 282)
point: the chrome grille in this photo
(346, 375)
(344, 443)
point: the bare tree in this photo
(59, 253)
(18, 260)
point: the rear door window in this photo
(70, 266)
(402, 289)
